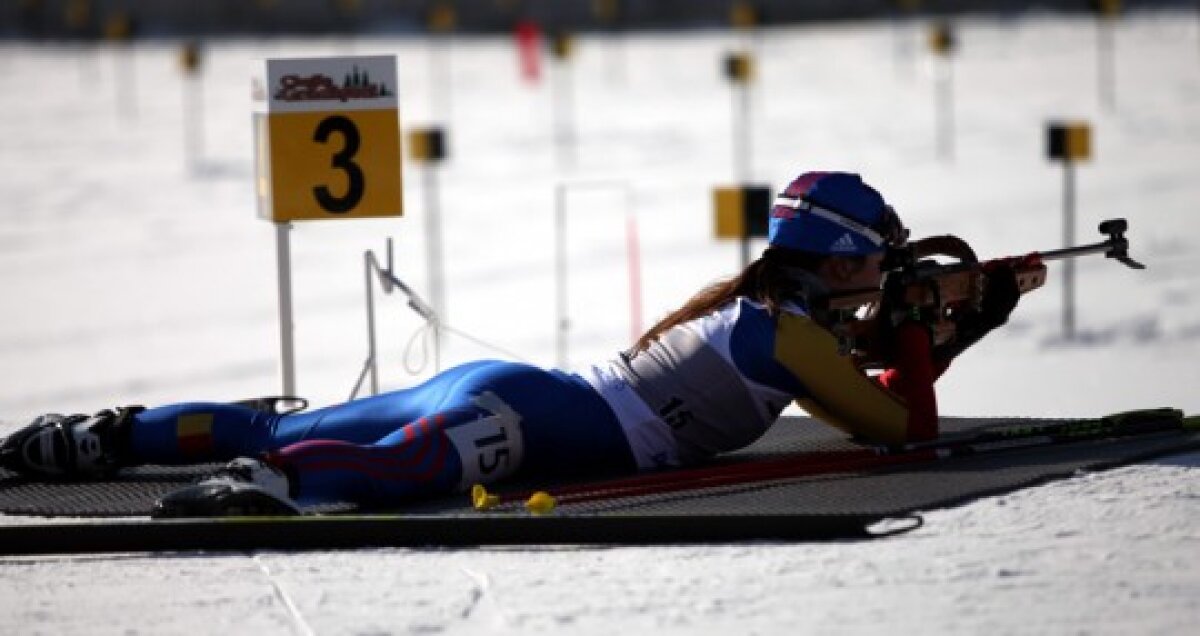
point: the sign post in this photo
(1108, 11)
(441, 20)
(120, 29)
(428, 146)
(566, 144)
(327, 146)
(903, 12)
(611, 16)
(1069, 142)
(191, 61)
(942, 42)
(739, 70)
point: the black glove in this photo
(1000, 296)
(892, 312)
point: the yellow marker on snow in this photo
(481, 499)
(540, 503)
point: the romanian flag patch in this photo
(194, 433)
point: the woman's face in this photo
(841, 273)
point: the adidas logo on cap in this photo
(844, 244)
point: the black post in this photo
(1106, 61)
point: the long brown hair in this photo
(765, 280)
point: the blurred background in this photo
(156, 18)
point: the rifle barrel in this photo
(1081, 250)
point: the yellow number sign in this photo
(328, 141)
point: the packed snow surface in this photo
(133, 269)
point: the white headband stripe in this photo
(831, 216)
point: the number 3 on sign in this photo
(342, 160)
(335, 166)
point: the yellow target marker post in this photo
(739, 70)
(427, 147)
(442, 17)
(942, 43)
(441, 21)
(610, 16)
(562, 85)
(191, 61)
(607, 11)
(77, 16)
(741, 213)
(1069, 142)
(350, 7)
(743, 15)
(327, 147)
(119, 29)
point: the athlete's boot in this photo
(244, 487)
(71, 447)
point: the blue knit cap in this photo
(833, 213)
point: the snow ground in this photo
(131, 274)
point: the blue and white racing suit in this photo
(706, 386)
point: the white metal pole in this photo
(436, 264)
(617, 58)
(193, 119)
(1068, 241)
(560, 268)
(283, 254)
(903, 56)
(564, 115)
(1106, 62)
(440, 80)
(372, 358)
(945, 99)
(741, 131)
(125, 80)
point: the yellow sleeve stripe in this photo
(838, 393)
(194, 433)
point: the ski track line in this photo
(301, 626)
(483, 602)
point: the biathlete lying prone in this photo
(711, 377)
